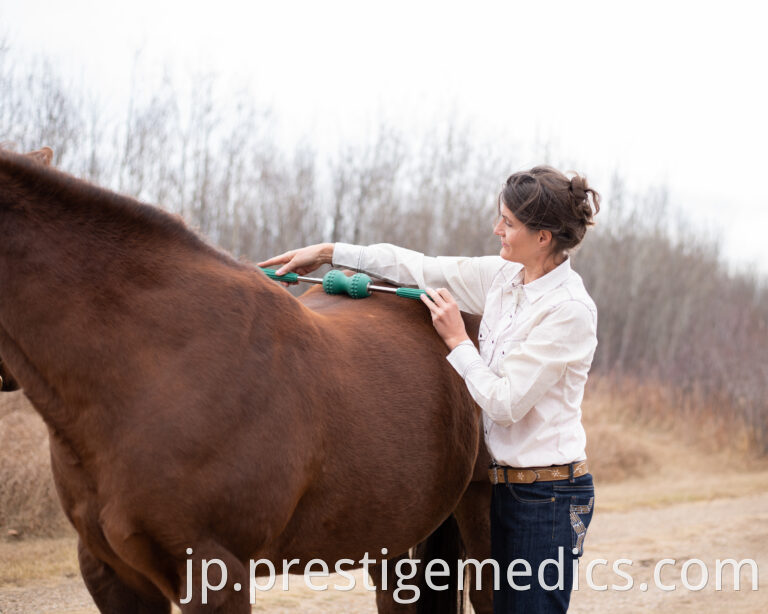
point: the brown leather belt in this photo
(528, 475)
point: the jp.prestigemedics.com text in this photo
(694, 575)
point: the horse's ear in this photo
(43, 155)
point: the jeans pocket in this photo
(531, 493)
(580, 515)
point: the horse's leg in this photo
(109, 592)
(473, 517)
(385, 598)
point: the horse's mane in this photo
(17, 170)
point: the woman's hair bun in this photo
(581, 193)
(578, 187)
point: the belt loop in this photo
(506, 479)
(570, 472)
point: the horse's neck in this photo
(93, 318)
(98, 350)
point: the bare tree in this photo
(671, 314)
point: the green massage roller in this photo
(335, 282)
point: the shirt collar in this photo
(539, 287)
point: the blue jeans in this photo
(535, 522)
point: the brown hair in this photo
(543, 198)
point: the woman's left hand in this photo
(446, 316)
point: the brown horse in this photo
(199, 412)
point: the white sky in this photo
(665, 92)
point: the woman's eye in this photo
(507, 223)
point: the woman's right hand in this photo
(301, 261)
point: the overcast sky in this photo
(666, 92)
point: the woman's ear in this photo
(545, 238)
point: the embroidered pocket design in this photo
(578, 525)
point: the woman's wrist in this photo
(458, 340)
(327, 252)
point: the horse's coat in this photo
(193, 403)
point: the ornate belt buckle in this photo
(493, 473)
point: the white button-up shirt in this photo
(536, 344)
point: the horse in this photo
(199, 413)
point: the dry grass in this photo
(635, 430)
(709, 424)
(28, 501)
(38, 559)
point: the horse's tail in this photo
(444, 543)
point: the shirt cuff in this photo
(347, 256)
(464, 356)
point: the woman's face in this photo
(518, 242)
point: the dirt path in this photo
(644, 522)
(729, 527)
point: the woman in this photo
(536, 343)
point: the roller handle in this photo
(410, 293)
(290, 278)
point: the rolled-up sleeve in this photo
(467, 279)
(565, 336)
